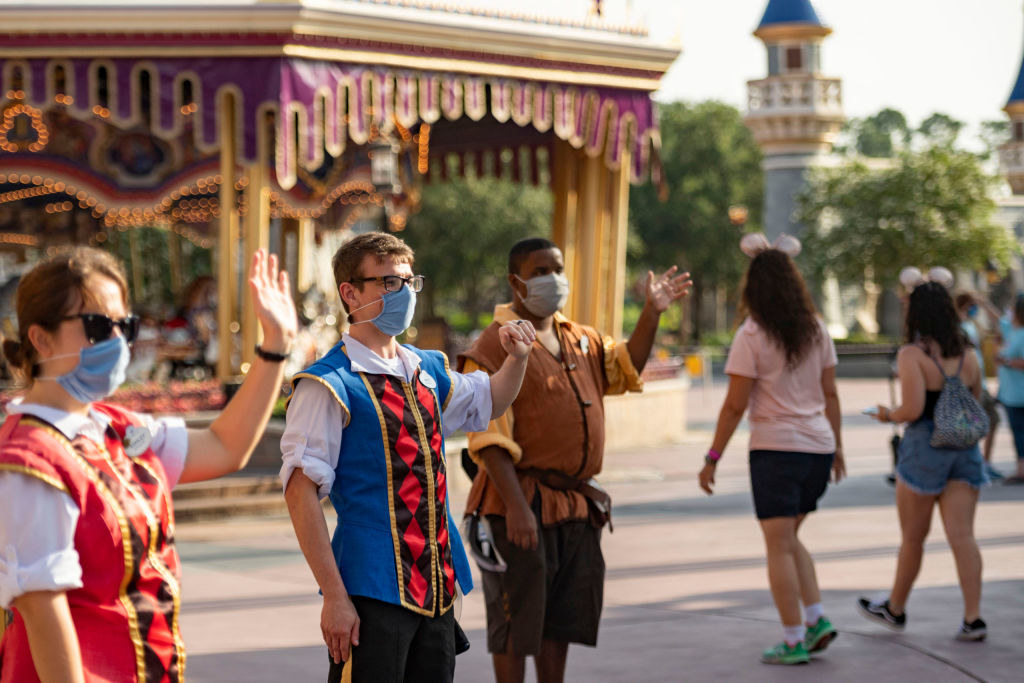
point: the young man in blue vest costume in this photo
(389, 576)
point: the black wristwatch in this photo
(270, 356)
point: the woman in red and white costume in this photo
(87, 558)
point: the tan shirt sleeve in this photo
(499, 431)
(619, 372)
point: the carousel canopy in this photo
(309, 77)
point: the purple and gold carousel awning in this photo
(317, 107)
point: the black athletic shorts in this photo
(788, 483)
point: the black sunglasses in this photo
(99, 327)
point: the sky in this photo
(959, 57)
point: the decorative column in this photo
(590, 226)
(589, 219)
(305, 255)
(256, 236)
(227, 239)
(618, 232)
(565, 186)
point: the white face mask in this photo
(545, 294)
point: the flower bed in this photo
(173, 397)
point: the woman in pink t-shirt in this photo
(782, 367)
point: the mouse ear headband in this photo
(755, 243)
(911, 277)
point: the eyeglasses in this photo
(393, 283)
(99, 327)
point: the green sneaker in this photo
(786, 654)
(820, 635)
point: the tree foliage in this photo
(462, 235)
(930, 207)
(880, 135)
(993, 134)
(710, 162)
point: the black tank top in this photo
(930, 399)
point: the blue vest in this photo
(396, 540)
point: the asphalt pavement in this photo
(686, 594)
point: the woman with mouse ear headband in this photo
(911, 277)
(782, 366)
(88, 563)
(934, 357)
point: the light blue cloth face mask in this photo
(100, 371)
(396, 315)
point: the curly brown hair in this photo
(775, 295)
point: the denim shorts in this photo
(926, 469)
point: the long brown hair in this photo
(932, 315)
(775, 296)
(51, 291)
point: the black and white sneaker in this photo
(880, 612)
(976, 630)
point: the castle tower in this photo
(794, 113)
(1011, 154)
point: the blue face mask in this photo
(100, 370)
(396, 315)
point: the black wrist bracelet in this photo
(270, 356)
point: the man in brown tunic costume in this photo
(531, 491)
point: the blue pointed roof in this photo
(789, 12)
(1018, 89)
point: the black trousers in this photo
(397, 645)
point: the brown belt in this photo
(599, 502)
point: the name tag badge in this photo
(136, 441)
(427, 380)
(584, 344)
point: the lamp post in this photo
(384, 172)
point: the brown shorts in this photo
(552, 593)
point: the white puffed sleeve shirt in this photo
(38, 521)
(314, 422)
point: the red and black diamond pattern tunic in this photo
(126, 612)
(418, 491)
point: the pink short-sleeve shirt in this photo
(787, 405)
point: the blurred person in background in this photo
(935, 349)
(1011, 380)
(87, 556)
(967, 307)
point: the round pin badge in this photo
(427, 380)
(136, 441)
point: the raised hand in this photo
(516, 337)
(660, 292)
(272, 300)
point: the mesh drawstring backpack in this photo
(960, 421)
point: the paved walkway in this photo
(686, 596)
